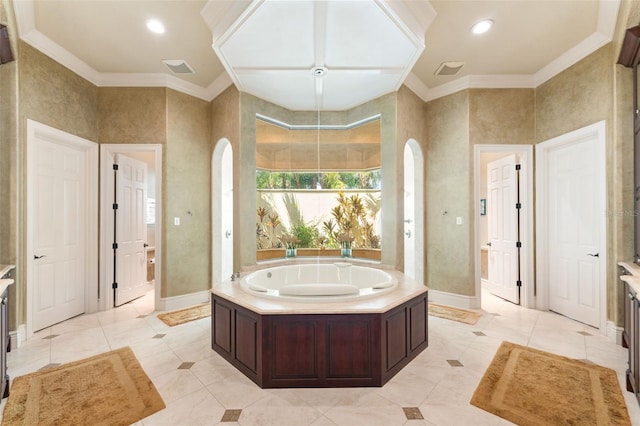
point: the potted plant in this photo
(290, 243)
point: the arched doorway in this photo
(222, 211)
(413, 210)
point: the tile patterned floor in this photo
(199, 387)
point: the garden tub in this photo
(336, 282)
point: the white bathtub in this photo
(335, 282)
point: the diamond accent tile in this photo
(455, 363)
(412, 413)
(52, 336)
(186, 365)
(231, 416)
(584, 333)
(159, 336)
(479, 333)
(141, 316)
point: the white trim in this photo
(607, 16)
(527, 292)
(598, 131)
(417, 242)
(183, 301)
(452, 299)
(614, 333)
(217, 208)
(107, 152)
(18, 336)
(578, 52)
(35, 131)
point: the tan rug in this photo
(454, 314)
(531, 387)
(107, 389)
(185, 315)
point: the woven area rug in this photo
(454, 314)
(531, 387)
(185, 315)
(106, 389)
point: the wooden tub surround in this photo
(280, 344)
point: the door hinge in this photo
(518, 167)
(114, 246)
(115, 167)
(114, 286)
(519, 283)
(115, 206)
(518, 244)
(518, 205)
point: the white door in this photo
(409, 216)
(575, 205)
(502, 196)
(131, 229)
(58, 200)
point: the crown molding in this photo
(607, 17)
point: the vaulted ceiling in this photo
(274, 49)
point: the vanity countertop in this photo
(4, 284)
(633, 275)
(5, 269)
(406, 290)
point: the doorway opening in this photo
(147, 257)
(512, 260)
(222, 212)
(413, 211)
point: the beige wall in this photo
(132, 115)
(449, 265)
(186, 258)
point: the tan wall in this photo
(449, 252)
(132, 115)
(8, 137)
(186, 262)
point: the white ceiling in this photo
(106, 42)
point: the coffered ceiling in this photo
(271, 48)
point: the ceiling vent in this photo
(449, 68)
(178, 66)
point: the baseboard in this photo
(455, 300)
(184, 301)
(614, 333)
(18, 336)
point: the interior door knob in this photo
(593, 255)
(36, 257)
(227, 234)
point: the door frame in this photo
(525, 152)
(38, 130)
(418, 208)
(598, 131)
(217, 232)
(107, 152)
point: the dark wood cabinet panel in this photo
(294, 349)
(320, 350)
(349, 348)
(246, 340)
(632, 331)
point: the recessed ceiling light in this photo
(155, 26)
(482, 26)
